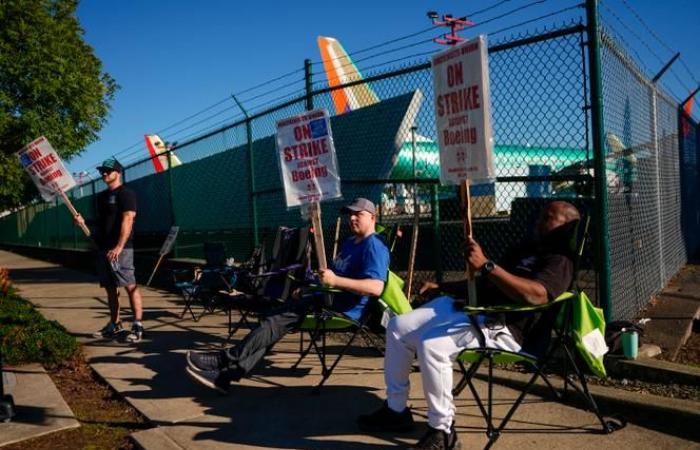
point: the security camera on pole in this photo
(463, 116)
(309, 168)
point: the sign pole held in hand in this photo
(48, 173)
(319, 245)
(74, 212)
(466, 202)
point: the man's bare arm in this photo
(367, 286)
(519, 289)
(127, 225)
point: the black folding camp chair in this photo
(257, 291)
(200, 286)
(539, 354)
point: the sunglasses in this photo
(106, 172)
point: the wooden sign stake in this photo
(465, 198)
(315, 213)
(73, 211)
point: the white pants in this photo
(436, 332)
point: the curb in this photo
(685, 413)
(653, 370)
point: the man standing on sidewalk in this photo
(114, 230)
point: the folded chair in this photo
(572, 337)
(324, 320)
(255, 292)
(201, 285)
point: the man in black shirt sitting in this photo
(535, 273)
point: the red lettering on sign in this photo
(460, 100)
(52, 176)
(314, 172)
(306, 150)
(302, 133)
(460, 136)
(34, 154)
(455, 74)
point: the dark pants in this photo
(244, 356)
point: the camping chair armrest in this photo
(497, 309)
(325, 289)
(280, 271)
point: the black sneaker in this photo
(438, 440)
(205, 361)
(210, 378)
(109, 331)
(386, 419)
(136, 334)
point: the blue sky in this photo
(175, 58)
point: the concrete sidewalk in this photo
(275, 408)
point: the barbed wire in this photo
(264, 94)
(386, 52)
(644, 43)
(545, 16)
(658, 38)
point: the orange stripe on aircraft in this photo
(340, 99)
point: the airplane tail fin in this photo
(340, 69)
(158, 150)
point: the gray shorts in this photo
(116, 274)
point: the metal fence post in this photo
(251, 172)
(600, 212)
(309, 85)
(57, 242)
(74, 229)
(655, 142)
(171, 189)
(253, 193)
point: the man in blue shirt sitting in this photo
(360, 270)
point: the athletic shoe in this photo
(386, 419)
(209, 378)
(438, 440)
(205, 360)
(109, 331)
(136, 334)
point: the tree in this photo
(51, 84)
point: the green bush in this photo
(26, 336)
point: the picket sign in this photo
(463, 122)
(165, 249)
(308, 167)
(48, 173)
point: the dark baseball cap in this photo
(110, 164)
(359, 204)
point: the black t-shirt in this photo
(111, 206)
(550, 263)
(554, 270)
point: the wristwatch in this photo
(488, 267)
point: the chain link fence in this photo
(644, 195)
(228, 188)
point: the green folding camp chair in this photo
(577, 328)
(325, 320)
